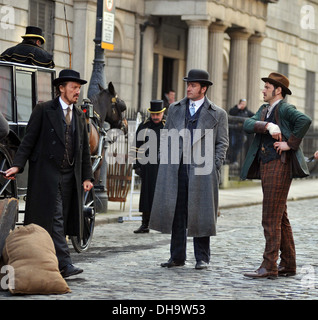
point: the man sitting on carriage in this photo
(29, 51)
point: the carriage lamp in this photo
(88, 108)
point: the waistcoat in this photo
(267, 152)
(68, 157)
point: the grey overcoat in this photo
(211, 142)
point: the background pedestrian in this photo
(236, 132)
(148, 132)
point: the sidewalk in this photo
(229, 198)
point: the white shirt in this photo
(198, 104)
(270, 108)
(65, 106)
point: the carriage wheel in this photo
(8, 188)
(82, 244)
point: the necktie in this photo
(192, 109)
(68, 116)
(264, 113)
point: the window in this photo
(6, 92)
(41, 14)
(283, 68)
(44, 83)
(155, 76)
(24, 95)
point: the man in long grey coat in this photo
(192, 150)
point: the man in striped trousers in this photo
(276, 158)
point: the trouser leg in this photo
(202, 249)
(179, 236)
(145, 219)
(276, 182)
(179, 227)
(287, 246)
(58, 233)
(144, 228)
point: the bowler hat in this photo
(278, 80)
(68, 75)
(197, 75)
(34, 32)
(156, 106)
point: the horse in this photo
(108, 107)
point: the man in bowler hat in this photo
(57, 147)
(186, 197)
(276, 158)
(29, 51)
(144, 152)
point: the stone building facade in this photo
(158, 41)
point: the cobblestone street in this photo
(123, 265)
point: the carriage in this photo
(21, 88)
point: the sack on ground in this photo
(31, 253)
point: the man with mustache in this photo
(56, 145)
(276, 158)
(146, 159)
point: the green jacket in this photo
(293, 125)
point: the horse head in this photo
(110, 108)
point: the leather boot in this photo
(144, 228)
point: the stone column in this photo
(147, 67)
(197, 43)
(237, 78)
(215, 62)
(253, 72)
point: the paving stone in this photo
(121, 265)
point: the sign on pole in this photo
(108, 25)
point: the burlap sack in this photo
(30, 251)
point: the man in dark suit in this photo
(56, 145)
(29, 51)
(148, 132)
(237, 136)
(169, 98)
(187, 188)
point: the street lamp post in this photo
(98, 78)
(98, 74)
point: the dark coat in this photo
(245, 113)
(203, 194)
(43, 146)
(28, 53)
(148, 171)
